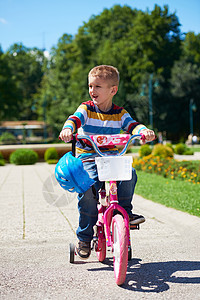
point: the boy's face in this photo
(101, 92)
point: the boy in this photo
(101, 116)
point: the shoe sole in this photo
(83, 258)
(138, 221)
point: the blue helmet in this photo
(71, 175)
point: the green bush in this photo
(170, 146)
(2, 162)
(145, 150)
(162, 151)
(188, 152)
(180, 148)
(50, 154)
(52, 161)
(23, 157)
(7, 138)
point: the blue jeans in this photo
(87, 202)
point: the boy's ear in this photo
(114, 90)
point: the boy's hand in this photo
(66, 135)
(149, 135)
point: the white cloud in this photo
(3, 21)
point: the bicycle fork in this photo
(114, 206)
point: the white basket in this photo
(114, 167)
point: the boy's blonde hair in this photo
(106, 72)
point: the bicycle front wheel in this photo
(120, 249)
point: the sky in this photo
(40, 23)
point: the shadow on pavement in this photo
(154, 277)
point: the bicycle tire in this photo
(71, 253)
(120, 249)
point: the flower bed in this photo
(169, 168)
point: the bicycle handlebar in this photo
(98, 151)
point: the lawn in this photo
(195, 148)
(135, 149)
(181, 195)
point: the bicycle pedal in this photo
(134, 226)
(93, 244)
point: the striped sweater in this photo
(91, 120)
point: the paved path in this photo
(37, 222)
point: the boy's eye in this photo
(91, 86)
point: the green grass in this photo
(135, 149)
(195, 148)
(180, 195)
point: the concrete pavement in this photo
(38, 221)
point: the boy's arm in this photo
(66, 135)
(148, 133)
(73, 123)
(68, 130)
(133, 127)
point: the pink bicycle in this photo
(112, 228)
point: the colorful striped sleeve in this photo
(128, 124)
(138, 129)
(78, 119)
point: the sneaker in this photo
(83, 249)
(136, 219)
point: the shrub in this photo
(170, 145)
(180, 148)
(188, 152)
(23, 157)
(52, 161)
(162, 151)
(145, 150)
(169, 168)
(2, 162)
(50, 154)
(7, 138)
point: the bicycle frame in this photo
(108, 214)
(108, 172)
(107, 211)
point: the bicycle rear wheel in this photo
(71, 253)
(120, 249)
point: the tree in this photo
(9, 93)
(190, 48)
(136, 42)
(185, 85)
(25, 65)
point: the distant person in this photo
(160, 138)
(194, 139)
(189, 140)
